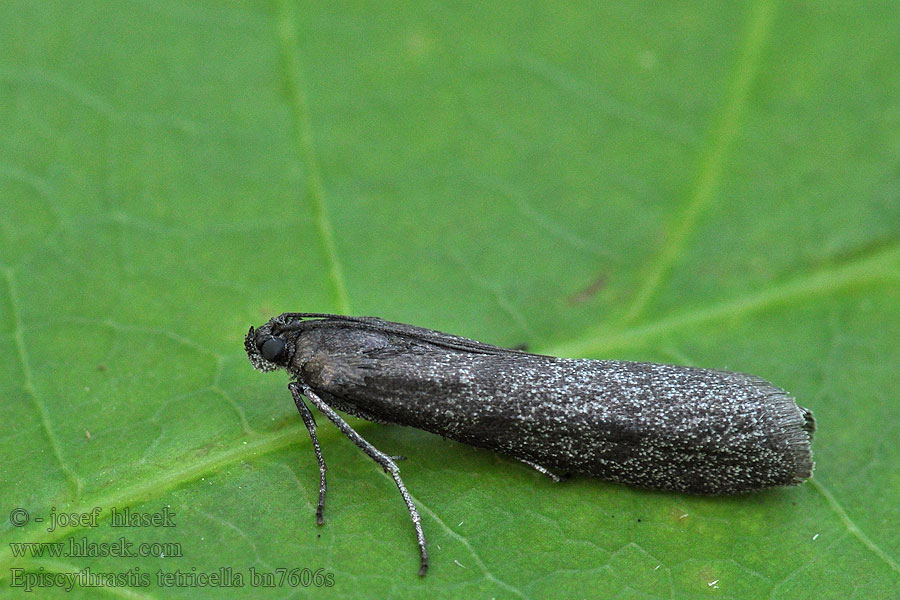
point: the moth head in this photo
(266, 349)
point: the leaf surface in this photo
(635, 181)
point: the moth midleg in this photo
(381, 459)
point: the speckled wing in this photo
(659, 426)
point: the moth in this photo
(684, 429)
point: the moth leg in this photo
(544, 470)
(382, 459)
(310, 421)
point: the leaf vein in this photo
(724, 132)
(183, 471)
(487, 574)
(288, 43)
(876, 267)
(852, 527)
(74, 480)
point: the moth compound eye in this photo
(272, 349)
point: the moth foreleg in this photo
(310, 422)
(379, 457)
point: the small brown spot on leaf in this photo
(589, 291)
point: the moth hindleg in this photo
(544, 470)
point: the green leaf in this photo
(655, 181)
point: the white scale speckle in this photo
(652, 425)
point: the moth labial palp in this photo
(683, 429)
